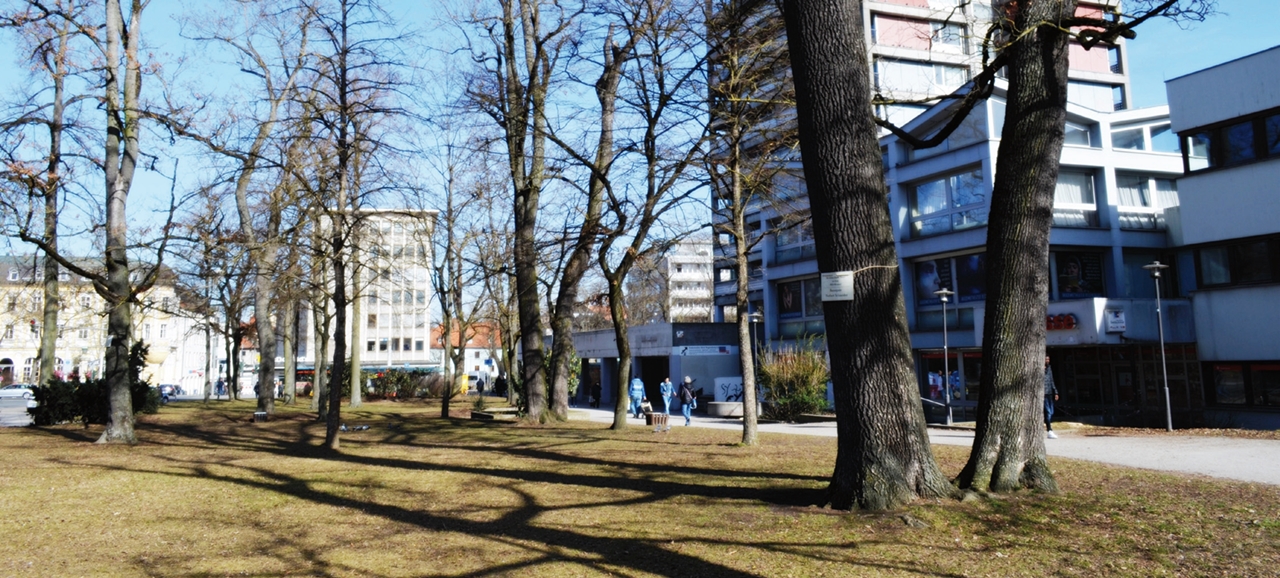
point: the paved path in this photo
(13, 412)
(1232, 458)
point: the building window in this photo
(1244, 384)
(84, 333)
(950, 36)
(395, 344)
(800, 309)
(1142, 200)
(373, 298)
(85, 301)
(955, 202)
(13, 303)
(1078, 275)
(372, 321)
(408, 343)
(368, 345)
(1244, 140)
(422, 297)
(146, 331)
(1073, 200)
(1241, 263)
(13, 274)
(395, 297)
(164, 303)
(417, 345)
(163, 330)
(382, 345)
(8, 332)
(1076, 134)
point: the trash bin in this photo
(259, 416)
(658, 420)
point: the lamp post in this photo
(1155, 267)
(753, 319)
(944, 294)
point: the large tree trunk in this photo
(1008, 447)
(122, 133)
(883, 458)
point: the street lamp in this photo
(944, 294)
(1155, 267)
(753, 319)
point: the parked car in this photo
(22, 390)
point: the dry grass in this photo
(210, 494)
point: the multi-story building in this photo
(1112, 215)
(176, 354)
(687, 268)
(918, 48)
(389, 316)
(1229, 231)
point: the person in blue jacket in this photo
(668, 392)
(636, 393)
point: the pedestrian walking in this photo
(668, 391)
(636, 393)
(687, 400)
(1050, 396)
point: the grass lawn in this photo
(208, 493)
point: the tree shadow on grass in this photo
(541, 456)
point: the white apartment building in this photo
(687, 268)
(1229, 119)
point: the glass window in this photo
(1266, 384)
(1273, 134)
(812, 298)
(948, 35)
(1254, 262)
(1074, 188)
(1214, 266)
(1131, 139)
(1077, 134)
(395, 344)
(368, 345)
(418, 345)
(964, 195)
(1133, 190)
(1228, 385)
(931, 197)
(372, 321)
(1238, 143)
(1163, 140)
(790, 299)
(1198, 151)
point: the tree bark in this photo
(121, 106)
(1008, 447)
(883, 458)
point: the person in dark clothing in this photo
(1050, 396)
(595, 394)
(687, 399)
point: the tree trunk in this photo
(883, 458)
(121, 108)
(290, 351)
(617, 308)
(1008, 446)
(357, 375)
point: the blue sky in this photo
(1163, 51)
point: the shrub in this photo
(89, 401)
(794, 382)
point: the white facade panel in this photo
(1229, 90)
(1231, 204)
(1238, 324)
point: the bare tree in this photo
(883, 459)
(512, 88)
(1008, 451)
(751, 97)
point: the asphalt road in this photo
(13, 412)
(1249, 460)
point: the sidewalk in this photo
(1247, 460)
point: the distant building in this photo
(687, 268)
(176, 354)
(1228, 117)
